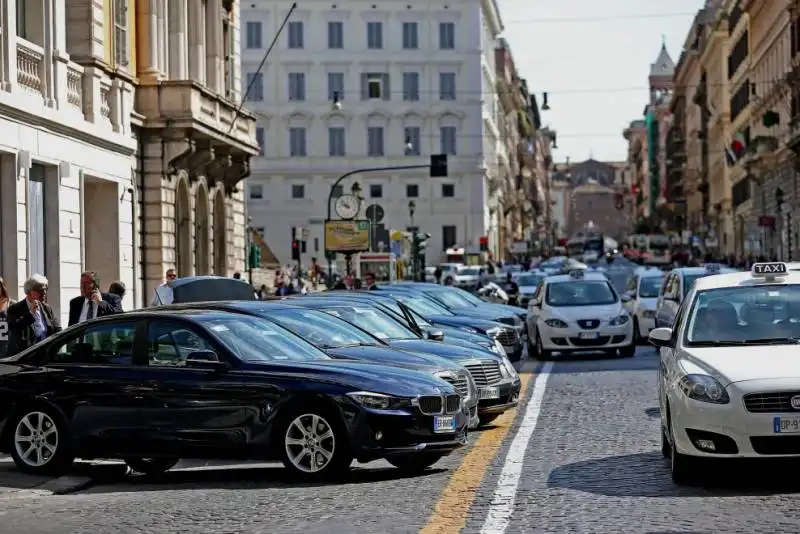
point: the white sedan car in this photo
(578, 312)
(729, 378)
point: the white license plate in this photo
(444, 423)
(589, 335)
(490, 393)
(786, 425)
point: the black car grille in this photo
(485, 373)
(773, 402)
(596, 342)
(507, 320)
(588, 324)
(452, 403)
(507, 336)
(430, 404)
(458, 382)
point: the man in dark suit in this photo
(369, 281)
(92, 303)
(31, 320)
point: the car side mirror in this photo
(626, 297)
(661, 337)
(205, 359)
(435, 335)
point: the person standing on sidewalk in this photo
(163, 293)
(5, 302)
(31, 320)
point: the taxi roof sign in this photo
(769, 270)
(577, 273)
(713, 268)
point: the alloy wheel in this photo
(36, 439)
(310, 443)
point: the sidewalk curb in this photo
(65, 485)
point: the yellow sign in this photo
(346, 236)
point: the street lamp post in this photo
(781, 226)
(248, 245)
(412, 209)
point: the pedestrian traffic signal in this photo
(295, 250)
(438, 166)
(254, 256)
(484, 242)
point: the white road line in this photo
(502, 505)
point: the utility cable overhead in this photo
(600, 18)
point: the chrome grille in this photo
(588, 324)
(452, 403)
(507, 320)
(459, 382)
(507, 336)
(485, 373)
(430, 404)
(772, 402)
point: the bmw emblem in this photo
(795, 402)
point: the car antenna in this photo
(261, 66)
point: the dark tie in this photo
(90, 310)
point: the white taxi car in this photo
(641, 298)
(676, 286)
(579, 311)
(729, 377)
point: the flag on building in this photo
(735, 150)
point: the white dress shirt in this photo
(162, 296)
(88, 305)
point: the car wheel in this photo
(151, 466)
(629, 351)
(682, 467)
(41, 442)
(541, 354)
(314, 444)
(414, 463)
(637, 334)
(666, 448)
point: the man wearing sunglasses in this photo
(163, 293)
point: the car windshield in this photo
(254, 339)
(527, 280)
(650, 286)
(321, 329)
(553, 263)
(374, 321)
(580, 293)
(752, 315)
(450, 299)
(466, 295)
(689, 280)
(469, 271)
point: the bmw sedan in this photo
(151, 387)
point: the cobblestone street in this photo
(592, 465)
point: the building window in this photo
(229, 55)
(740, 99)
(410, 86)
(121, 35)
(448, 237)
(260, 139)
(297, 86)
(336, 143)
(22, 20)
(253, 35)
(255, 83)
(335, 35)
(412, 191)
(298, 191)
(375, 141)
(374, 86)
(447, 36)
(410, 36)
(448, 190)
(37, 220)
(448, 140)
(375, 35)
(297, 142)
(296, 35)
(413, 136)
(375, 191)
(256, 191)
(335, 86)
(447, 86)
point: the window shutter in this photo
(364, 87)
(387, 88)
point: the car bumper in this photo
(378, 434)
(508, 397)
(734, 431)
(646, 324)
(569, 339)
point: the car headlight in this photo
(619, 321)
(378, 401)
(556, 323)
(510, 372)
(648, 314)
(468, 329)
(494, 332)
(704, 388)
(499, 348)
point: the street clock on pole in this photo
(348, 206)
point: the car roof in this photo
(246, 305)
(165, 312)
(743, 279)
(591, 276)
(646, 272)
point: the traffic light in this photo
(619, 201)
(439, 166)
(484, 242)
(254, 259)
(295, 250)
(419, 243)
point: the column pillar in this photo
(177, 40)
(147, 49)
(213, 46)
(8, 45)
(196, 40)
(48, 70)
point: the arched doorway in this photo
(220, 234)
(201, 231)
(183, 229)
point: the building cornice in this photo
(492, 12)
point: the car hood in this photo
(448, 352)
(390, 356)
(735, 364)
(573, 313)
(488, 312)
(362, 376)
(470, 321)
(648, 303)
(527, 290)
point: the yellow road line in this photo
(451, 511)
